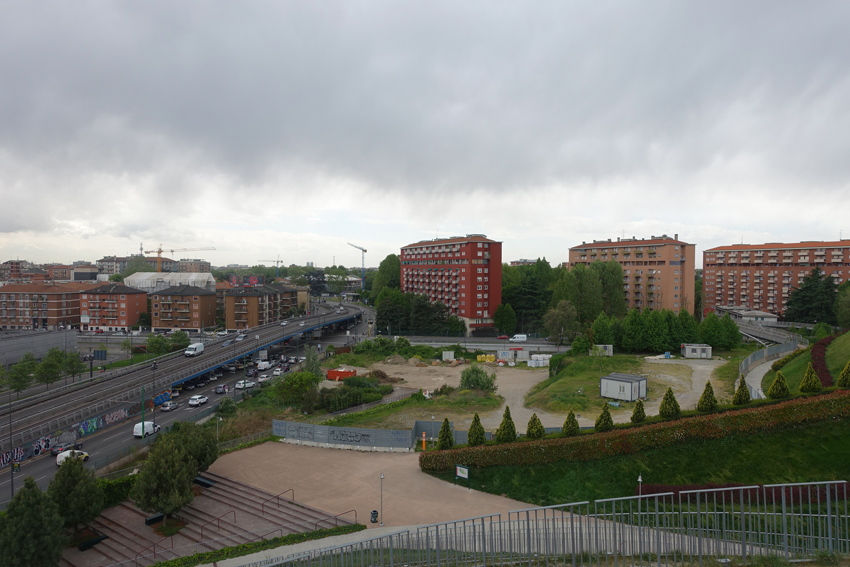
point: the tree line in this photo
(54, 366)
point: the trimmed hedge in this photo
(636, 439)
(254, 547)
(788, 358)
(116, 491)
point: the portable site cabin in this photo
(625, 387)
(696, 351)
(601, 350)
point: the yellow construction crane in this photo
(276, 263)
(160, 250)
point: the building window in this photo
(123, 305)
(123, 297)
(123, 313)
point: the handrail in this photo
(218, 521)
(336, 516)
(263, 506)
(136, 559)
(258, 538)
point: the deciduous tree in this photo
(21, 374)
(49, 370)
(78, 496)
(561, 321)
(165, 483)
(31, 531)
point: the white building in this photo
(625, 387)
(151, 282)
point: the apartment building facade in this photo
(658, 272)
(463, 273)
(193, 266)
(184, 307)
(39, 306)
(111, 307)
(248, 307)
(761, 276)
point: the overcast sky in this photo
(292, 128)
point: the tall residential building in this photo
(112, 307)
(462, 272)
(184, 307)
(761, 276)
(658, 272)
(248, 307)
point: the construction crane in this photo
(363, 268)
(276, 263)
(160, 250)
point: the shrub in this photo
(116, 491)
(779, 388)
(570, 427)
(227, 407)
(446, 439)
(506, 433)
(669, 406)
(535, 429)
(475, 436)
(844, 379)
(742, 394)
(639, 414)
(787, 358)
(580, 347)
(475, 377)
(604, 421)
(810, 382)
(361, 382)
(707, 402)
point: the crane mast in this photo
(362, 266)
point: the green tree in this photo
(157, 345)
(312, 364)
(144, 320)
(711, 331)
(639, 414)
(611, 279)
(226, 407)
(844, 378)
(842, 308)
(136, 263)
(813, 300)
(731, 334)
(389, 275)
(690, 327)
(476, 435)
(49, 370)
(669, 405)
(779, 387)
(634, 337)
(199, 442)
(535, 429)
(580, 346)
(707, 402)
(506, 433)
(20, 376)
(810, 382)
(570, 427)
(73, 365)
(446, 438)
(78, 496)
(742, 394)
(603, 334)
(561, 321)
(604, 421)
(295, 387)
(504, 319)
(475, 377)
(178, 340)
(675, 335)
(31, 531)
(165, 483)
(656, 334)
(127, 346)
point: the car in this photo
(242, 384)
(263, 378)
(169, 406)
(62, 447)
(61, 457)
(218, 373)
(503, 337)
(221, 333)
(227, 343)
(198, 400)
(212, 377)
(222, 389)
(98, 331)
(175, 392)
(284, 323)
(240, 338)
(302, 323)
(231, 368)
(188, 386)
(276, 372)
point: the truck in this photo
(263, 354)
(194, 349)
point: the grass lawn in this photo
(816, 452)
(576, 387)
(137, 358)
(728, 373)
(837, 355)
(793, 371)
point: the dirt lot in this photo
(687, 377)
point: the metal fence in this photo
(233, 443)
(789, 520)
(760, 356)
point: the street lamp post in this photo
(12, 451)
(382, 500)
(640, 485)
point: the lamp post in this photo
(216, 429)
(432, 429)
(382, 500)
(12, 452)
(640, 485)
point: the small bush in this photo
(669, 406)
(604, 421)
(742, 394)
(844, 379)
(707, 402)
(580, 347)
(639, 414)
(475, 377)
(446, 439)
(475, 436)
(362, 382)
(506, 433)
(535, 429)
(811, 382)
(570, 427)
(227, 407)
(779, 388)
(116, 491)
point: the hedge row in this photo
(254, 547)
(116, 491)
(776, 366)
(630, 441)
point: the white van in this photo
(194, 349)
(264, 365)
(149, 429)
(518, 338)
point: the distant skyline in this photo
(282, 128)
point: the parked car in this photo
(222, 389)
(244, 384)
(283, 323)
(198, 400)
(175, 392)
(61, 457)
(62, 447)
(231, 368)
(240, 338)
(302, 323)
(169, 406)
(221, 334)
(188, 386)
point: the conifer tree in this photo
(571, 427)
(639, 414)
(506, 433)
(535, 429)
(810, 382)
(446, 439)
(707, 402)
(604, 421)
(669, 406)
(844, 379)
(778, 388)
(742, 394)
(476, 436)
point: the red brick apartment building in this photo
(761, 276)
(184, 307)
(248, 307)
(40, 305)
(112, 307)
(464, 273)
(658, 272)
